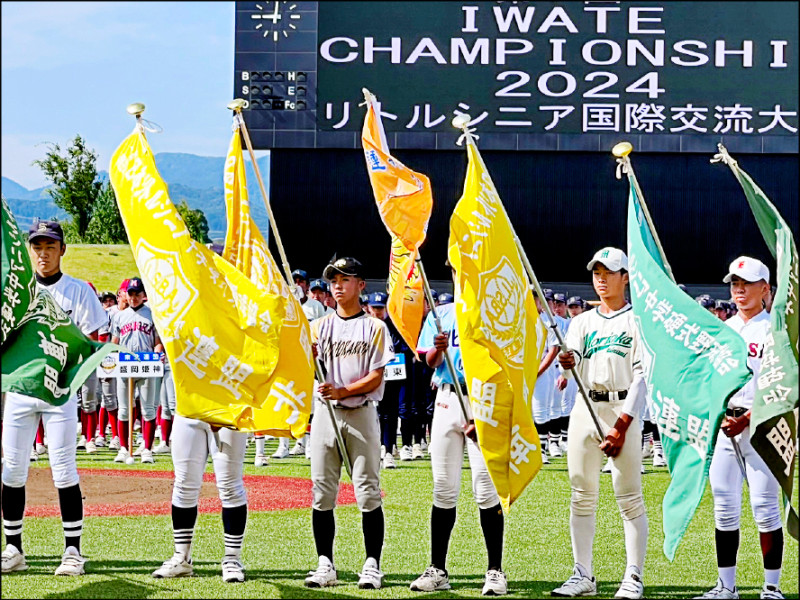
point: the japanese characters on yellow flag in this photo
(405, 202)
(497, 326)
(220, 331)
(291, 385)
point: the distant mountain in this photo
(196, 179)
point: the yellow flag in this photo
(246, 249)
(404, 202)
(220, 331)
(497, 321)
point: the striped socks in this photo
(71, 502)
(234, 521)
(183, 522)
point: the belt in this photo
(597, 396)
(451, 387)
(343, 407)
(735, 412)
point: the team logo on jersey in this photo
(169, 291)
(502, 310)
(616, 344)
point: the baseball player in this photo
(168, 403)
(22, 414)
(108, 385)
(573, 307)
(604, 345)
(749, 281)
(721, 310)
(706, 302)
(318, 290)
(544, 391)
(354, 349)
(450, 433)
(559, 415)
(134, 329)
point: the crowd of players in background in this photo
(407, 402)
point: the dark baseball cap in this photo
(548, 294)
(435, 295)
(445, 298)
(108, 296)
(721, 304)
(135, 285)
(46, 229)
(318, 283)
(575, 301)
(346, 266)
(559, 297)
(705, 301)
(378, 299)
(300, 274)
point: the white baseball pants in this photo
(168, 399)
(149, 395)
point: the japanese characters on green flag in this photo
(773, 424)
(45, 355)
(693, 363)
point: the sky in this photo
(73, 67)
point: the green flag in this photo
(44, 354)
(773, 424)
(693, 363)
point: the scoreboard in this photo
(670, 76)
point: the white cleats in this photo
(13, 560)
(100, 441)
(71, 563)
(577, 585)
(416, 452)
(139, 450)
(631, 586)
(719, 591)
(283, 449)
(114, 444)
(423, 445)
(771, 591)
(545, 460)
(563, 445)
(495, 583)
(554, 449)
(232, 571)
(122, 455)
(81, 443)
(388, 462)
(261, 461)
(41, 449)
(658, 459)
(324, 576)
(299, 448)
(177, 566)
(406, 453)
(371, 577)
(34, 454)
(431, 580)
(91, 448)
(147, 456)
(162, 448)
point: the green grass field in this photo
(104, 265)
(279, 548)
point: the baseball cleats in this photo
(34, 454)
(81, 443)
(647, 450)
(577, 585)
(423, 445)
(299, 448)
(406, 453)
(431, 580)
(416, 452)
(388, 462)
(13, 560)
(91, 447)
(771, 591)
(283, 449)
(232, 571)
(100, 441)
(545, 460)
(122, 455)
(658, 458)
(139, 450)
(41, 449)
(563, 445)
(261, 461)
(177, 566)
(162, 448)
(308, 450)
(71, 563)
(147, 456)
(495, 583)
(324, 576)
(631, 586)
(371, 577)
(554, 449)
(720, 591)
(114, 443)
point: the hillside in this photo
(104, 266)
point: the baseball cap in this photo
(318, 283)
(124, 285)
(614, 259)
(559, 297)
(46, 229)
(435, 295)
(575, 301)
(108, 296)
(749, 269)
(721, 304)
(548, 293)
(135, 285)
(378, 299)
(705, 301)
(299, 273)
(445, 298)
(346, 266)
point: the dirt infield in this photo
(114, 492)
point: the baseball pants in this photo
(543, 398)
(149, 394)
(584, 461)
(168, 400)
(108, 393)
(361, 434)
(447, 455)
(192, 442)
(726, 485)
(20, 422)
(87, 396)
(569, 396)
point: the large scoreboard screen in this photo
(669, 76)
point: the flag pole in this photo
(461, 122)
(236, 106)
(447, 358)
(624, 165)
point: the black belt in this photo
(597, 396)
(735, 412)
(451, 387)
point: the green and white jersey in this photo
(606, 348)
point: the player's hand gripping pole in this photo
(462, 122)
(130, 416)
(236, 106)
(451, 368)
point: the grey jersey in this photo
(79, 301)
(350, 348)
(135, 329)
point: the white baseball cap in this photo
(749, 269)
(614, 259)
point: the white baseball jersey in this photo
(79, 301)
(606, 348)
(350, 348)
(135, 329)
(754, 333)
(314, 309)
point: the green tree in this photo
(195, 221)
(74, 177)
(106, 225)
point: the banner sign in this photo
(134, 365)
